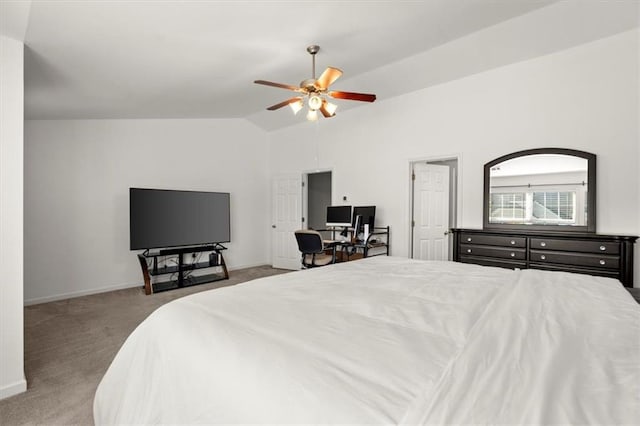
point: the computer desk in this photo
(349, 248)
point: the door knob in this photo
(273, 226)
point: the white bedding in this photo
(385, 341)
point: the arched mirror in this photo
(542, 189)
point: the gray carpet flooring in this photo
(69, 345)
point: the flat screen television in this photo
(165, 218)
(339, 216)
(368, 214)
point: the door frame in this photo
(305, 192)
(457, 189)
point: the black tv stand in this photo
(181, 269)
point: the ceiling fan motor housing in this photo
(309, 85)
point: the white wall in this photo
(583, 98)
(77, 179)
(637, 108)
(12, 379)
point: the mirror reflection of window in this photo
(554, 206)
(508, 207)
(539, 189)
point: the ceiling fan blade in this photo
(284, 103)
(364, 97)
(328, 77)
(323, 109)
(280, 85)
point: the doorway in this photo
(316, 198)
(433, 207)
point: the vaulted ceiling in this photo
(198, 59)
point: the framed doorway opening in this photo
(316, 197)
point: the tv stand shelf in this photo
(181, 269)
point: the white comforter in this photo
(385, 341)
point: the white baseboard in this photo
(71, 295)
(13, 389)
(254, 265)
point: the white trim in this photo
(304, 207)
(252, 265)
(321, 170)
(74, 294)
(79, 293)
(409, 230)
(13, 389)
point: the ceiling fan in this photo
(315, 90)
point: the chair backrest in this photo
(309, 241)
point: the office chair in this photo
(312, 248)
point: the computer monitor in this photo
(339, 216)
(368, 214)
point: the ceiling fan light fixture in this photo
(315, 101)
(296, 106)
(330, 108)
(312, 115)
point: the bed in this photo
(385, 340)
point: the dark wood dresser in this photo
(585, 253)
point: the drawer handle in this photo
(512, 242)
(602, 248)
(513, 255)
(543, 244)
(543, 257)
(602, 262)
(468, 250)
(469, 239)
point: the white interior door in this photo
(287, 218)
(430, 211)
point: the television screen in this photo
(368, 214)
(164, 218)
(339, 216)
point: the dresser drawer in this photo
(582, 246)
(610, 273)
(486, 261)
(493, 240)
(488, 251)
(578, 259)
